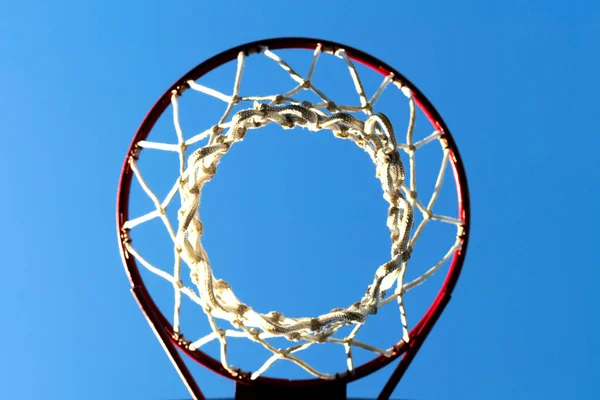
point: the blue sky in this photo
(517, 85)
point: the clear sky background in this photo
(516, 83)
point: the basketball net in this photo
(228, 316)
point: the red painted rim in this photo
(160, 323)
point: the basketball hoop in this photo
(191, 275)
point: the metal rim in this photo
(160, 323)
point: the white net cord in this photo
(374, 134)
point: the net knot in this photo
(275, 317)
(216, 130)
(427, 214)
(210, 170)
(255, 333)
(242, 310)
(342, 134)
(319, 337)
(279, 99)
(315, 324)
(221, 285)
(294, 336)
